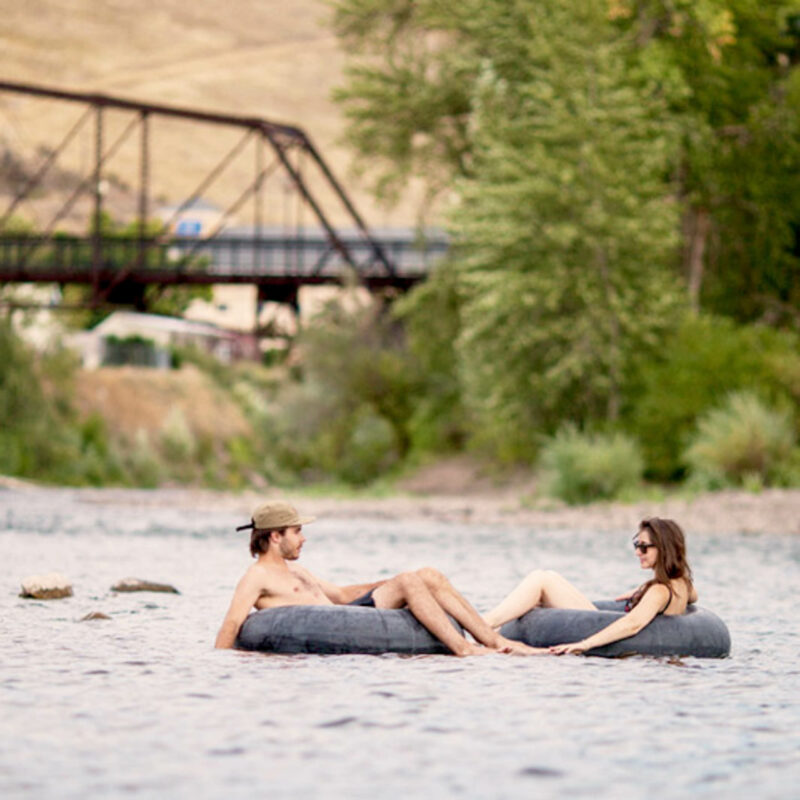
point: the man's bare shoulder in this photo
(260, 576)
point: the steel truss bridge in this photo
(119, 268)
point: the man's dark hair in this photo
(259, 539)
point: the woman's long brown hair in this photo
(671, 562)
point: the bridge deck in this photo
(272, 259)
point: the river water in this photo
(141, 705)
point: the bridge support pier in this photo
(287, 294)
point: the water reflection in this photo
(141, 704)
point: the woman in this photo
(660, 546)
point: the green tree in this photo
(431, 315)
(408, 95)
(567, 230)
(728, 69)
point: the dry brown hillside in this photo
(131, 399)
(265, 58)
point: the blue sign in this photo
(189, 227)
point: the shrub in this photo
(580, 467)
(349, 418)
(371, 450)
(145, 468)
(702, 360)
(39, 432)
(177, 440)
(744, 442)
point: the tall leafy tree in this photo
(568, 228)
(729, 69)
(409, 89)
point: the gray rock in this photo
(139, 585)
(51, 586)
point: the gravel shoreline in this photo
(772, 511)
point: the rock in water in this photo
(138, 585)
(46, 587)
(94, 615)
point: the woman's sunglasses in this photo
(642, 547)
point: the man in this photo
(275, 580)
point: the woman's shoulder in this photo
(656, 589)
(678, 594)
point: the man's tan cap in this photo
(275, 514)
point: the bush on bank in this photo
(40, 436)
(346, 415)
(580, 467)
(744, 442)
(703, 360)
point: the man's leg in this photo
(455, 604)
(409, 589)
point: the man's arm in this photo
(342, 595)
(247, 592)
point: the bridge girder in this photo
(280, 139)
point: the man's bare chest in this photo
(292, 588)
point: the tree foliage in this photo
(726, 71)
(349, 417)
(729, 71)
(595, 156)
(567, 227)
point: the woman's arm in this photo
(642, 615)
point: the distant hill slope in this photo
(262, 57)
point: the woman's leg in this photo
(540, 588)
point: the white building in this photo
(164, 333)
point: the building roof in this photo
(159, 323)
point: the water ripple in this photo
(143, 706)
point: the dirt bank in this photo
(130, 399)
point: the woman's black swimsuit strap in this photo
(628, 602)
(669, 589)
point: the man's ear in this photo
(275, 536)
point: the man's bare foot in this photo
(520, 648)
(472, 649)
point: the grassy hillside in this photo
(261, 57)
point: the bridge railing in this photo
(311, 259)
